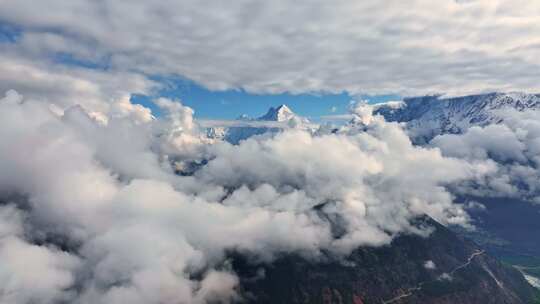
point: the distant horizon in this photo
(231, 104)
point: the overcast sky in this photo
(90, 49)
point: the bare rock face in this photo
(442, 268)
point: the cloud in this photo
(210, 123)
(65, 86)
(374, 47)
(336, 117)
(430, 265)
(31, 273)
(99, 209)
(513, 146)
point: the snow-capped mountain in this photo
(281, 113)
(429, 116)
(275, 120)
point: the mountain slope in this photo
(459, 272)
(429, 116)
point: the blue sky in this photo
(230, 104)
(209, 104)
(8, 33)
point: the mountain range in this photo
(429, 116)
(425, 116)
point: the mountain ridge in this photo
(429, 116)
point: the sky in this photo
(243, 57)
(221, 104)
(230, 104)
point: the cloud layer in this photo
(513, 146)
(409, 48)
(66, 86)
(96, 204)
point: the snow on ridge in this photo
(280, 113)
(429, 116)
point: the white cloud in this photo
(337, 117)
(445, 277)
(136, 232)
(31, 273)
(513, 146)
(65, 86)
(412, 47)
(430, 265)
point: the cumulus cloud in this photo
(513, 146)
(65, 86)
(99, 208)
(31, 273)
(409, 48)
